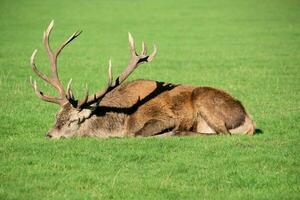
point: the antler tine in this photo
(69, 90)
(34, 68)
(72, 37)
(110, 76)
(86, 94)
(153, 54)
(144, 49)
(132, 45)
(86, 98)
(46, 40)
(41, 95)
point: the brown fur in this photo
(148, 108)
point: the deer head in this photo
(74, 112)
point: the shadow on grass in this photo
(258, 131)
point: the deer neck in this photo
(109, 124)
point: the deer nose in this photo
(48, 136)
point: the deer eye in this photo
(59, 124)
(73, 121)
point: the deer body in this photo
(140, 107)
(148, 108)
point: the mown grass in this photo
(249, 48)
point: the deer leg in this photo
(166, 134)
(219, 127)
(191, 133)
(211, 123)
(154, 127)
(183, 133)
(202, 128)
(247, 128)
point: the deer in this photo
(138, 108)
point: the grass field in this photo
(249, 48)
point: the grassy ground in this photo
(249, 48)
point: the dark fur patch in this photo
(63, 117)
(219, 108)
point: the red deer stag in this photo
(139, 107)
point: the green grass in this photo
(249, 48)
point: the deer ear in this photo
(84, 114)
(81, 116)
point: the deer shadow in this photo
(160, 88)
(258, 131)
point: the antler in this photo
(68, 96)
(134, 61)
(53, 79)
